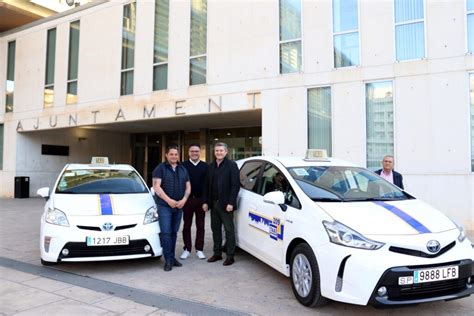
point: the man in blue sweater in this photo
(197, 171)
(172, 187)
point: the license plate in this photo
(430, 275)
(108, 241)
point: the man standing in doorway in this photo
(172, 187)
(220, 195)
(197, 171)
(388, 173)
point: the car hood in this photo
(103, 204)
(407, 217)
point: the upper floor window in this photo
(470, 25)
(290, 36)
(71, 96)
(345, 32)
(198, 49)
(160, 50)
(10, 76)
(409, 29)
(128, 47)
(319, 119)
(379, 109)
(50, 61)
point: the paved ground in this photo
(141, 287)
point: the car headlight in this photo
(56, 217)
(344, 236)
(151, 215)
(462, 232)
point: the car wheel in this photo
(48, 263)
(305, 279)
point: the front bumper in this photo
(423, 292)
(73, 238)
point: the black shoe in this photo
(176, 263)
(214, 258)
(228, 261)
(168, 266)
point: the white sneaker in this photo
(200, 254)
(185, 254)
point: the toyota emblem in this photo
(107, 226)
(433, 246)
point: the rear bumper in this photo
(423, 292)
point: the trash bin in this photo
(22, 187)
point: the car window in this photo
(249, 175)
(274, 180)
(96, 181)
(344, 184)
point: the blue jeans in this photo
(170, 220)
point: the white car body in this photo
(349, 274)
(102, 216)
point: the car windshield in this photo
(96, 181)
(342, 184)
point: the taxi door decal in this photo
(270, 226)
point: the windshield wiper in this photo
(326, 199)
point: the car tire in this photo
(304, 277)
(48, 263)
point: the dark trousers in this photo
(169, 219)
(221, 217)
(193, 206)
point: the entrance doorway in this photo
(148, 149)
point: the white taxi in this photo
(98, 212)
(343, 233)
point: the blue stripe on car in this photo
(105, 204)
(405, 217)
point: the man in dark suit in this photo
(389, 174)
(220, 192)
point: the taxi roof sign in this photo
(100, 160)
(317, 154)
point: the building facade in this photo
(359, 78)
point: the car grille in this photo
(80, 249)
(426, 290)
(418, 253)
(96, 228)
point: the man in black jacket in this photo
(220, 195)
(389, 174)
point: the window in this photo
(128, 48)
(50, 61)
(409, 29)
(470, 25)
(290, 36)
(74, 29)
(1, 146)
(10, 77)
(379, 107)
(249, 175)
(198, 50)
(274, 180)
(319, 119)
(346, 33)
(472, 119)
(160, 51)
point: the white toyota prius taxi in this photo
(98, 212)
(343, 233)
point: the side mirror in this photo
(152, 191)
(275, 197)
(43, 192)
